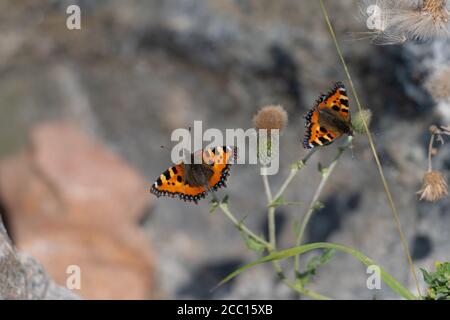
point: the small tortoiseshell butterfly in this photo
(191, 182)
(328, 119)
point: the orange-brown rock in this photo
(86, 176)
(70, 201)
(113, 265)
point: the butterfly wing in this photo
(334, 104)
(219, 158)
(317, 135)
(171, 183)
(337, 100)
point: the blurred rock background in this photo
(136, 71)
(22, 277)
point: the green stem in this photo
(242, 227)
(287, 253)
(294, 170)
(272, 238)
(271, 212)
(272, 234)
(430, 151)
(311, 209)
(373, 149)
(305, 292)
(276, 265)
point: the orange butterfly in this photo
(329, 118)
(192, 182)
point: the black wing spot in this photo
(344, 102)
(323, 140)
(336, 108)
(167, 174)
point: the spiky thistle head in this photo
(271, 117)
(270, 122)
(358, 120)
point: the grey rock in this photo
(22, 277)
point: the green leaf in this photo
(323, 170)
(438, 282)
(225, 200)
(284, 254)
(241, 222)
(214, 206)
(252, 244)
(426, 276)
(321, 260)
(317, 206)
(281, 202)
(313, 264)
(277, 202)
(297, 165)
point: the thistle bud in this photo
(359, 119)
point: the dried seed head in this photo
(434, 187)
(436, 9)
(434, 129)
(402, 20)
(271, 117)
(358, 120)
(423, 23)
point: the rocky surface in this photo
(22, 277)
(140, 69)
(71, 202)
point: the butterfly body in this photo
(331, 120)
(328, 119)
(192, 181)
(197, 175)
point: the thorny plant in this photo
(258, 243)
(301, 278)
